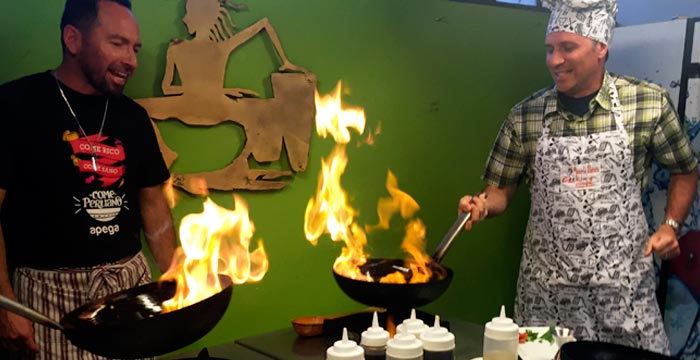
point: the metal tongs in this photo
(447, 240)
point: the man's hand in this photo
(664, 243)
(16, 332)
(476, 205)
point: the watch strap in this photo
(674, 224)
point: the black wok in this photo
(394, 295)
(402, 296)
(594, 350)
(130, 323)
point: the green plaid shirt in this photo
(650, 119)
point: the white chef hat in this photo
(594, 19)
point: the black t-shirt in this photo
(58, 211)
(577, 106)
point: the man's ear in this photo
(602, 51)
(73, 39)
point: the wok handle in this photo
(447, 240)
(19, 309)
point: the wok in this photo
(595, 350)
(402, 296)
(131, 323)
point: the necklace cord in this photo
(80, 127)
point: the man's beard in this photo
(98, 80)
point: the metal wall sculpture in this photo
(200, 99)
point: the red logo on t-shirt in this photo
(108, 165)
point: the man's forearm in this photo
(162, 245)
(681, 191)
(158, 226)
(498, 198)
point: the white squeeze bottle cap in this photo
(345, 349)
(437, 338)
(502, 327)
(412, 325)
(404, 346)
(374, 335)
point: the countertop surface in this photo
(287, 345)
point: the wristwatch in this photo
(674, 224)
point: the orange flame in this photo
(390, 325)
(370, 137)
(414, 239)
(214, 242)
(329, 212)
(334, 119)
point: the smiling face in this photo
(107, 54)
(576, 63)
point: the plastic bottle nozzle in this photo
(404, 345)
(501, 327)
(437, 338)
(374, 335)
(412, 325)
(345, 349)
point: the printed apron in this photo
(583, 263)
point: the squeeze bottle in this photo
(501, 338)
(374, 340)
(438, 342)
(412, 325)
(345, 349)
(404, 346)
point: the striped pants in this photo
(55, 293)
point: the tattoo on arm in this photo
(156, 234)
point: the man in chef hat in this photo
(584, 148)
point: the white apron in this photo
(583, 263)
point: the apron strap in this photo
(616, 106)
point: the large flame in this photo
(414, 239)
(214, 242)
(329, 212)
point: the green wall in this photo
(438, 75)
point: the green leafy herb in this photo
(547, 336)
(531, 335)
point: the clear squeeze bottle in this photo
(438, 342)
(345, 349)
(404, 346)
(374, 341)
(501, 338)
(412, 325)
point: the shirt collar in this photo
(602, 98)
(551, 101)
